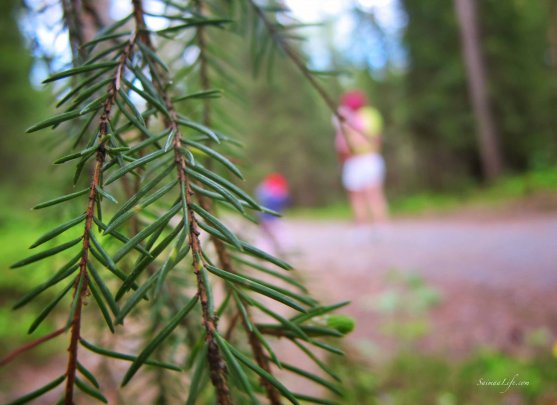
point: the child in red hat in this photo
(273, 193)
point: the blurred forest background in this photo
(421, 87)
(430, 128)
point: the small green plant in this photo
(420, 378)
(344, 324)
(142, 247)
(405, 304)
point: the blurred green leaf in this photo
(37, 393)
(47, 253)
(91, 391)
(163, 334)
(255, 286)
(63, 198)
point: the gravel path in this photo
(497, 276)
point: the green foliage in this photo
(411, 377)
(522, 79)
(143, 237)
(19, 103)
(408, 375)
(406, 304)
(342, 323)
(540, 184)
(428, 116)
(302, 135)
(18, 231)
(439, 116)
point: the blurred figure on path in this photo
(273, 193)
(358, 146)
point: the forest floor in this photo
(449, 284)
(494, 273)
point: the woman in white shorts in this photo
(358, 142)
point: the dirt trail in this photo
(497, 276)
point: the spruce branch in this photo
(216, 362)
(294, 57)
(82, 281)
(220, 248)
(127, 142)
(203, 66)
(256, 346)
(300, 64)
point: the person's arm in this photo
(341, 145)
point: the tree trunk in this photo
(84, 18)
(552, 32)
(477, 83)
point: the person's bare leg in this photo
(269, 230)
(358, 203)
(375, 199)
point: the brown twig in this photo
(255, 344)
(203, 68)
(299, 63)
(83, 277)
(222, 253)
(275, 332)
(217, 371)
(10, 356)
(232, 325)
(295, 58)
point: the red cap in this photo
(276, 181)
(353, 99)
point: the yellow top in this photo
(363, 130)
(372, 121)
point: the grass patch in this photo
(506, 190)
(484, 378)
(19, 228)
